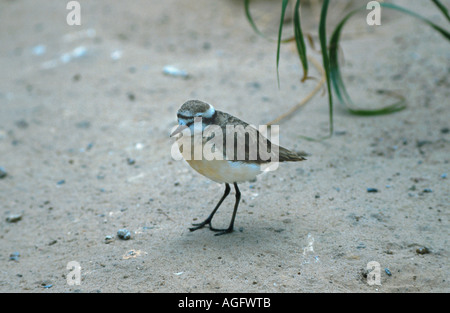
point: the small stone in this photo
(109, 239)
(14, 256)
(427, 190)
(131, 161)
(3, 173)
(422, 250)
(206, 46)
(361, 246)
(13, 218)
(124, 234)
(421, 143)
(372, 190)
(131, 96)
(255, 85)
(22, 124)
(173, 71)
(388, 271)
(61, 182)
(83, 124)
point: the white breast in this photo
(221, 171)
(224, 171)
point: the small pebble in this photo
(372, 190)
(83, 125)
(14, 256)
(22, 124)
(79, 52)
(61, 182)
(131, 161)
(255, 85)
(3, 173)
(173, 71)
(422, 250)
(116, 55)
(109, 239)
(388, 271)
(13, 218)
(361, 246)
(39, 50)
(427, 190)
(124, 234)
(131, 96)
(206, 46)
(443, 176)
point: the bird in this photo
(226, 150)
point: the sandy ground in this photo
(85, 113)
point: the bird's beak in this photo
(178, 130)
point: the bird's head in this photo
(193, 113)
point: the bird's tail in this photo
(286, 155)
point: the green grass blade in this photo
(326, 60)
(443, 9)
(326, 67)
(335, 72)
(256, 29)
(300, 41)
(250, 19)
(443, 32)
(280, 32)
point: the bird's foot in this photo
(208, 222)
(221, 232)
(200, 225)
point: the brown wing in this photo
(248, 144)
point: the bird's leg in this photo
(208, 220)
(236, 204)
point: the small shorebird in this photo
(239, 161)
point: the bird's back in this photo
(249, 145)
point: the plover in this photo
(237, 151)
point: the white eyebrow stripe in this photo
(210, 112)
(185, 114)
